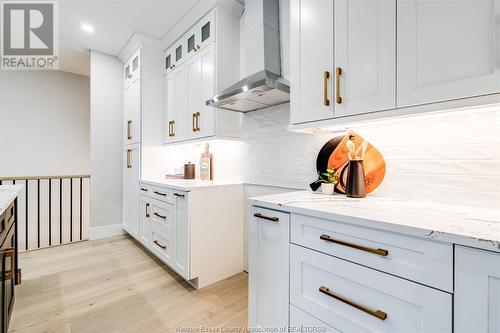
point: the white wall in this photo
(44, 123)
(106, 110)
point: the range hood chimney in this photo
(264, 87)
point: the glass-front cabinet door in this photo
(206, 30)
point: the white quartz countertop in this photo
(7, 194)
(186, 184)
(469, 226)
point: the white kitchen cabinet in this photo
(365, 56)
(197, 232)
(268, 268)
(301, 321)
(354, 298)
(447, 50)
(477, 291)
(176, 99)
(311, 61)
(346, 59)
(205, 67)
(131, 175)
(132, 100)
(201, 87)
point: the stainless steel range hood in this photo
(264, 87)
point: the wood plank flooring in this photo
(114, 285)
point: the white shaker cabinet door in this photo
(447, 49)
(169, 106)
(268, 268)
(205, 120)
(311, 60)
(193, 107)
(182, 237)
(477, 291)
(365, 56)
(131, 176)
(180, 101)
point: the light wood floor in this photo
(114, 285)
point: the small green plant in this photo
(328, 177)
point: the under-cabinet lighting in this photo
(367, 123)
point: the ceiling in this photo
(114, 22)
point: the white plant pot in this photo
(327, 188)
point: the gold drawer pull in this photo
(129, 130)
(159, 193)
(375, 313)
(326, 76)
(147, 212)
(9, 253)
(198, 121)
(194, 121)
(380, 252)
(160, 216)
(144, 189)
(260, 216)
(173, 127)
(179, 195)
(338, 73)
(158, 244)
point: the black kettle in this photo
(355, 185)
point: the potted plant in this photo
(328, 181)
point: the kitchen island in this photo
(373, 264)
(9, 267)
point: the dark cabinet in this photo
(8, 264)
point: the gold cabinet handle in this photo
(170, 128)
(194, 122)
(375, 313)
(163, 217)
(198, 121)
(9, 253)
(144, 189)
(380, 252)
(260, 216)
(179, 195)
(338, 73)
(159, 193)
(326, 76)
(129, 130)
(173, 127)
(161, 246)
(129, 159)
(147, 210)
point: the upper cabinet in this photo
(312, 66)
(132, 100)
(196, 67)
(447, 50)
(355, 57)
(365, 56)
(346, 59)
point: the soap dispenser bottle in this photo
(206, 164)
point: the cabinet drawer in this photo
(163, 214)
(163, 245)
(354, 298)
(162, 194)
(301, 321)
(420, 260)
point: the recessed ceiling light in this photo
(87, 28)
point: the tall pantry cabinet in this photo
(142, 114)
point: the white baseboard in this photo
(106, 231)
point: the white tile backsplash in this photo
(427, 159)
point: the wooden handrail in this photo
(44, 177)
